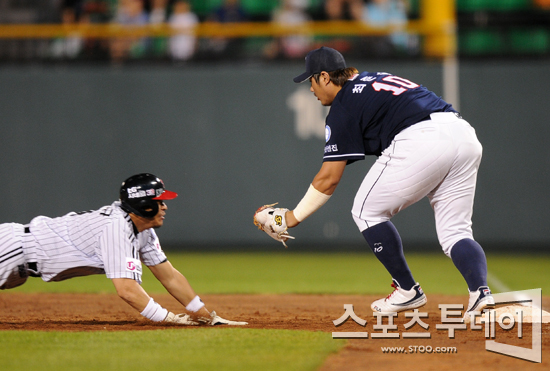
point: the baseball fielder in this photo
(424, 149)
(114, 240)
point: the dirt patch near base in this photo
(466, 351)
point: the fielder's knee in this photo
(448, 243)
(364, 224)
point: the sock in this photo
(469, 257)
(385, 242)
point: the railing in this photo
(208, 29)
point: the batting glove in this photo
(180, 319)
(217, 320)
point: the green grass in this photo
(243, 349)
(323, 273)
(189, 349)
(521, 272)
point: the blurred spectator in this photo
(95, 11)
(343, 9)
(71, 46)
(388, 13)
(158, 12)
(182, 47)
(290, 13)
(98, 11)
(230, 11)
(129, 13)
(158, 16)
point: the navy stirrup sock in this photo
(385, 242)
(469, 258)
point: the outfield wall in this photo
(230, 138)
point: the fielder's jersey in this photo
(93, 242)
(370, 110)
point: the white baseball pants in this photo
(437, 158)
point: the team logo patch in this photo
(133, 265)
(134, 192)
(327, 133)
(156, 243)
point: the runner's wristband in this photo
(195, 305)
(154, 311)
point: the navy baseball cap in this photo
(322, 59)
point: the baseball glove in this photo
(272, 221)
(217, 320)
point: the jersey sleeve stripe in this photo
(346, 155)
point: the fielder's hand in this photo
(217, 320)
(272, 221)
(180, 319)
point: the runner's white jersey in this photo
(93, 242)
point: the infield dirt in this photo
(466, 351)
